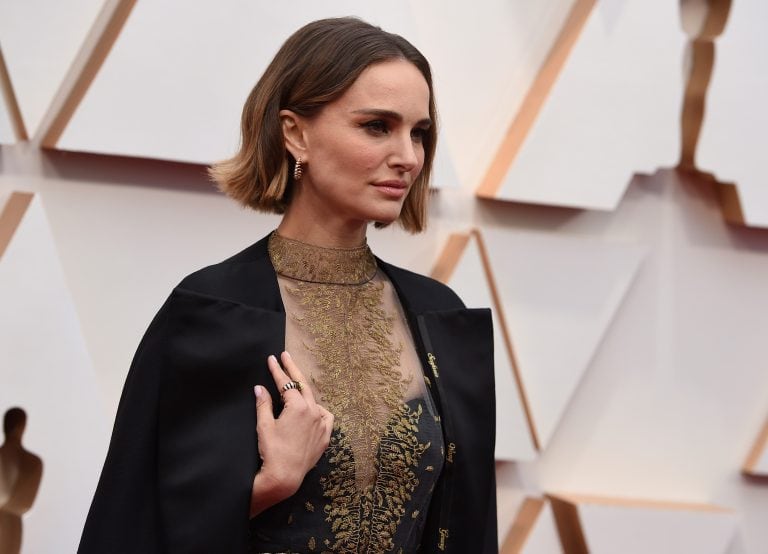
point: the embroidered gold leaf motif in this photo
(365, 520)
(359, 376)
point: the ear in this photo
(293, 126)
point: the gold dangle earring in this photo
(297, 170)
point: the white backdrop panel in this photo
(491, 50)
(559, 296)
(612, 528)
(47, 371)
(40, 40)
(513, 438)
(613, 110)
(732, 144)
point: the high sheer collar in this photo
(317, 264)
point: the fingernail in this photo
(258, 390)
(272, 357)
(287, 355)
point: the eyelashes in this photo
(379, 127)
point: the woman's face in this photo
(365, 149)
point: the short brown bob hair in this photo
(315, 66)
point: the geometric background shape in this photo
(463, 266)
(737, 110)
(11, 124)
(673, 397)
(609, 525)
(40, 40)
(757, 461)
(559, 296)
(596, 113)
(46, 370)
(498, 64)
(534, 530)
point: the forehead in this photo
(395, 85)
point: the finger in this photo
(264, 416)
(281, 378)
(296, 374)
(278, 375)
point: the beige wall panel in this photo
(677, 389)
(613, 110)
(40, 40)
(47, 371)
(559, 296)
(736, 113)
(484, 57)
(611, 525)
(469, 279)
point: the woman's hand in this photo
(292, 444)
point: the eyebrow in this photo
(389, 114)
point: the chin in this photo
(386, 218)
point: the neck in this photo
(305, 222)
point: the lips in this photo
(393, 188)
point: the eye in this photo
(376, 127)
(419, 134)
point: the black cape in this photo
(178, 474)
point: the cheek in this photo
(367, 157)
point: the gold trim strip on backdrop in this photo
(534, 100)
(701, 44)
(443, 270)
(83, 70)
(11, 102)
(565, 508)
(11, 216)
(522, 526)
(760, 446)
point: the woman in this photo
(376, 432)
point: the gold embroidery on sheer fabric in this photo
(313, 264)
(337, 302)
(359, 377)
(366, 520)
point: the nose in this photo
(405, 153)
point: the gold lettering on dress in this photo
(433, 364)
(451, 452)
(443, 538)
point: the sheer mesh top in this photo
(346, 330)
